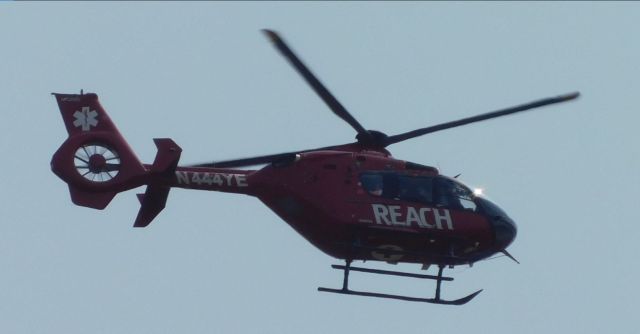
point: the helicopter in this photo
(354, 201)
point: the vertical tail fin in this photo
(83, 114)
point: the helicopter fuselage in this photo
(325, 197)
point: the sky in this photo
(203, 75)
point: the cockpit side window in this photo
(452, 194)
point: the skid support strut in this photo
(347, 268)
(345, 281)
(439, 281)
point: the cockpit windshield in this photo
(435, 190)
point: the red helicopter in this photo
(352, 201)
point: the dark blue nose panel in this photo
(504, 228)
(505, 231)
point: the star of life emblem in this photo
(85, 118)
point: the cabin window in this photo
(400, 187)
(372, 183)
(415, 188)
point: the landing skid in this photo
(437, 300)
(460, 301)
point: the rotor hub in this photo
(372, 138)
(97, 163)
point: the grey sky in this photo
(204, 75)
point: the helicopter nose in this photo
(505, 231)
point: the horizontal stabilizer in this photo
(164, 166)
(167, 157)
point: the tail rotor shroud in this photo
(97, 162)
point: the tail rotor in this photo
(97, 162)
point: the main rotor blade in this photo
(482, 117)
(259, 160)
(311, 79)
(243, 162)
